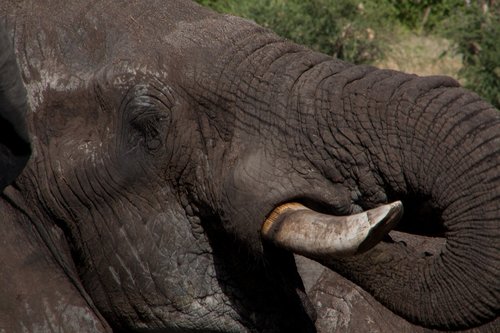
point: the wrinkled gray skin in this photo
(343, 307)
(162, 136)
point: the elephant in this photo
(177, 160)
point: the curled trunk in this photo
(387, 136)
(430, 142)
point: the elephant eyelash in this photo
(146, 109)
(148, 112)
(149, 121)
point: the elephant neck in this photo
(23, 216)
(39, 266)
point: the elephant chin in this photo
(320, 237)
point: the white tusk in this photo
(315, 235)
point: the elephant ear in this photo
(15, 148)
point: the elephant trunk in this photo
(431, 141)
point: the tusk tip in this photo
(383, 219)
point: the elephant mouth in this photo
(301, 230)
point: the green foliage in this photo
(425, 15)
(343, 28)
(476, 34)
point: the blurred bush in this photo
(475, 33)
(425, 15)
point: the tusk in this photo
(315, 235)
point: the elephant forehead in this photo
(88, 36)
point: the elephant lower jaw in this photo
(320, 237)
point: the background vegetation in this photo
(372, 31)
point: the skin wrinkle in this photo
(92, 187)
(279, 57)
(241, 41)
(465, 118)
(458, 274)
(351, 145)
(148, 303)
(413, 136)
(328, 119)
(489, 298)
(457, 258)
(131, 303)
(240, 65)
(423, 271)
(319, 118)
(394, 94)
(92, 260)
(455, 213)
(76, 197)
(93, 204)
(58, 199)
(385, 111)
(482, 128)
(396, 169)
(177, 150)
(123, 190)
(434, 153)
(472, 211)
(399, 108)
(465, 169)
(421, 163)
(446, 287)
(98, 233)
(94, 218)
(200, 125)
(298, 86)
(269, 39)
(261, 121)
(438, 281)
(376, 191)
(338, 127)
(128, 239)
(115, 186)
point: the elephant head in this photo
(178, 156)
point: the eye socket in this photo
(149, 115)
(150, 123)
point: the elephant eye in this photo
(148, 116)
(150, 123)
